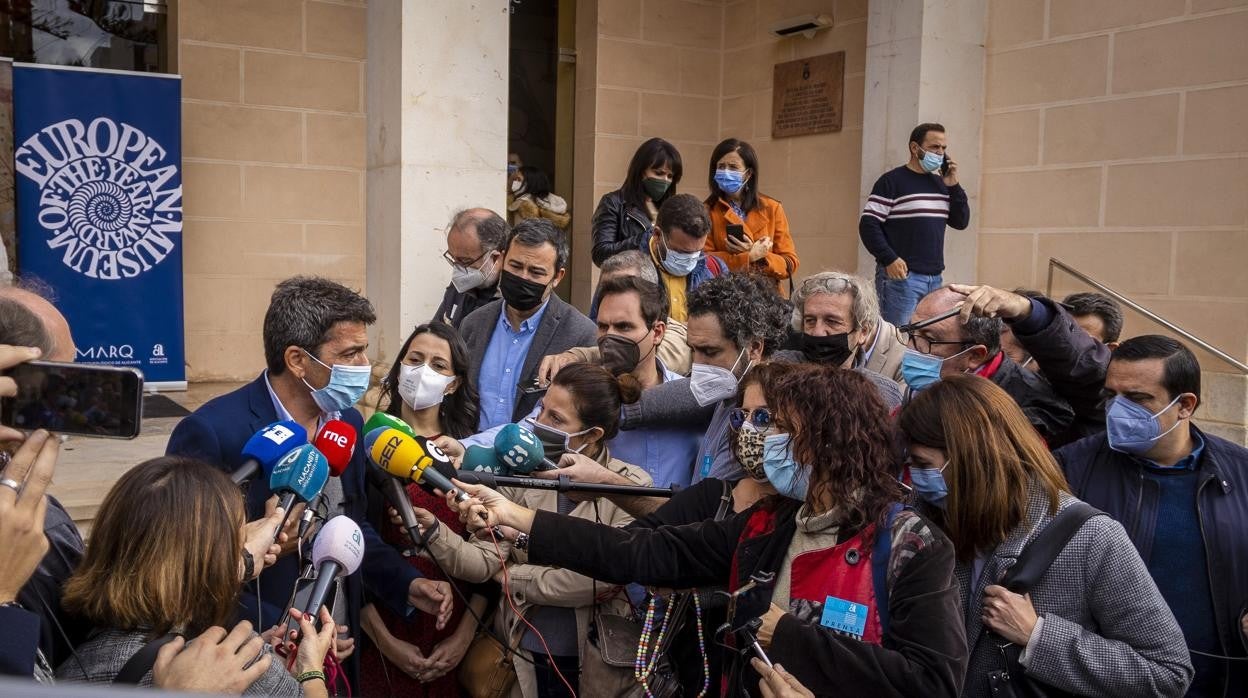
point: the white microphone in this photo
(337, 552)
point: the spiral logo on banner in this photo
(107, 197)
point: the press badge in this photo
(707, 461)
(845, 617)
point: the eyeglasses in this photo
(456, 263)
(923, 345)
(760, 418)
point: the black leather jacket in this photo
(617, 227)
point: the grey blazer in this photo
(101, 658)
(1106, 629)
(562, 327)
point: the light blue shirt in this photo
(667, 453)
(501, 367)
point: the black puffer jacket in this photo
(617, 227)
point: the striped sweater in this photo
(905, 217)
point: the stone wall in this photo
(273, 140)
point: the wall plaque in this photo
(808, 95)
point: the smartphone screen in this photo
(67, 398)
(737, 231)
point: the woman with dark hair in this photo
(850, 589)
(1094, 623)
(545, 613)
(172, 583)
(625, 216)
(430, 389)
(532, 198)
(749, 231)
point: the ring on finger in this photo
(11, 484)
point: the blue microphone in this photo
(266, 446)
(300, 475)
(518, 449)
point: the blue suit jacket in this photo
(216, 433)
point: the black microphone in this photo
(396, 495)
(563, 484)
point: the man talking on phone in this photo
(903, 223)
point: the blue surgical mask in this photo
(931, 161)
(1131, 428)
(730, 181)
(929, 483)
(346, 386)
(921, 370)
(681, 263)
(789, 477)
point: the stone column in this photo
(925, 62)
(437, 142)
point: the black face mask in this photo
(620, 354)
(832, 349)
(520, 293)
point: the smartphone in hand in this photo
(737, 232)
(70, 398)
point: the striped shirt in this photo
(906, 215)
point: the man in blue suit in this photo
(315, 343)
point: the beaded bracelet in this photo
(309, 675)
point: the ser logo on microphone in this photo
(392, 445)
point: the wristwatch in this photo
(522, 542)
(249, 565)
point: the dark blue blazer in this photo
(216, 433)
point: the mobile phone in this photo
(304, 586)
(944, 166)
(69, 398)
(737, 231)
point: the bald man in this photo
(59, 343)
(949, 347)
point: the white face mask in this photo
(467, 278)
(710, 384)
(421, 386)
(516, 186)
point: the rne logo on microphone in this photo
(334, 437)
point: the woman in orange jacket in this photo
(749, 231)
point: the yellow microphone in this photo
(410, 457)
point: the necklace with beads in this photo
(645, 662)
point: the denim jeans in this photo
(899, 296)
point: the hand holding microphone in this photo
(485, 508)
(262, 537)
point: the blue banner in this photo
(98, 158)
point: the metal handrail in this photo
(1054, 262)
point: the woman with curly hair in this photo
(852, 589)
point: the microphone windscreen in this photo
(302, 472)
(269, 444)
(341, 541)
(518, 449)
(408, 457)
(389, 421)
(337, 441)
(483, 459)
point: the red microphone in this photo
(336, 440)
